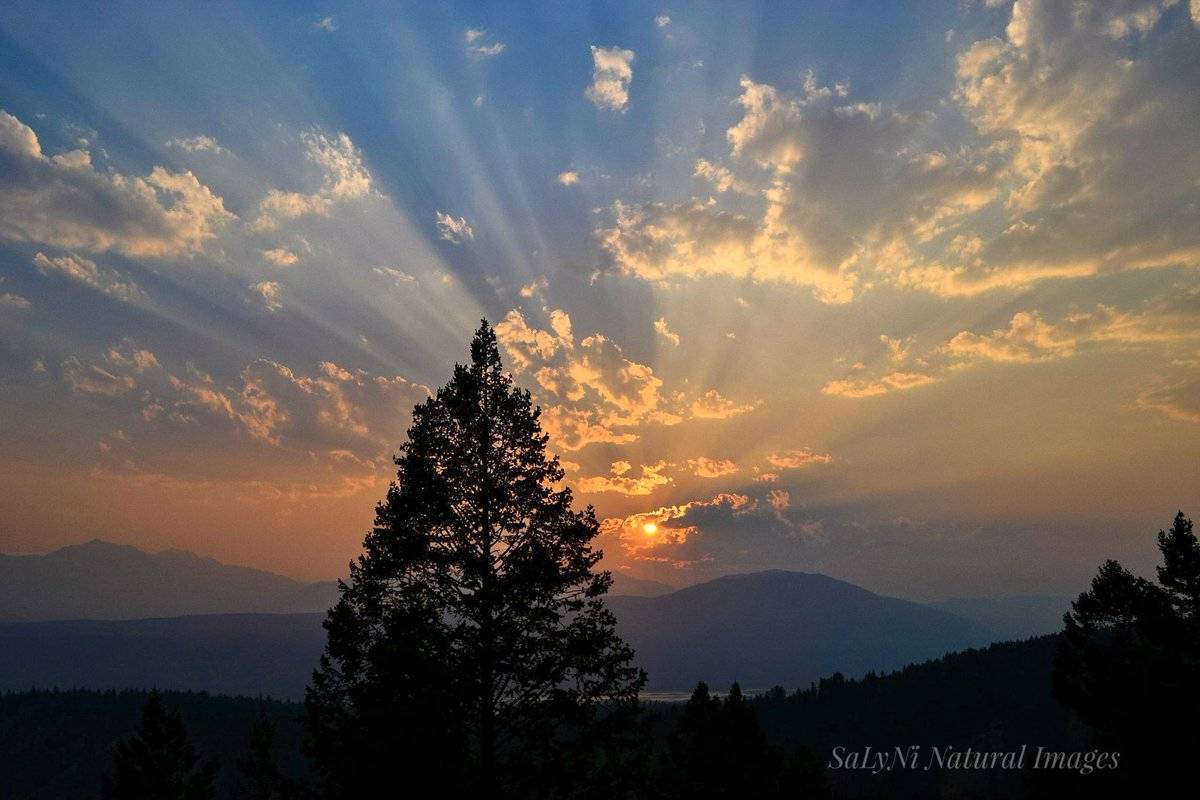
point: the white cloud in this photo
(573, 429)
(620, 392)
(568, 178)
(396, 276)
(1096, 106)
(1177, 399)
(455, 230)
(612, 72)
(798, 459)
(64, 201)
(86, 271)
(270, 295)
(487, 51)
(10, 300)
(197, 144)
(129, 356)
(343, 177)
(1083, 164)
(481, 44)
(345, 414)
(327, 24)
(664, 330)
(711, 405)
(620, 480)
(662, 20)
(95, 380)
(280, 257)
(528, 346)
(893, 381)
(721, 178)
(279, 205)
(898, 349)
(1030, 339)
(705, 467)
(852, 185)
(534, 287)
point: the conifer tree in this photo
(158, 762)
(695, 747)
(258, 774)
(471, 644)
(1128, 661)
(718, 752)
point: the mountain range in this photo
(1016, 617)
(101, 580)
(782, 628)
(101, 615)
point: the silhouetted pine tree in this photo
(1128, 661)
(718, 752)
(258, 774)
(695, 748)
(158, 762)
(471, 646)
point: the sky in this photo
(903, 294)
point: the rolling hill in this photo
(1018, 617)
(235, 654)
(762, 629)
(782, 628)
(105, 581)
(101, 580)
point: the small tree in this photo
(158, 762)
(471, 644)
(718, 751)
(258, 774)
(1128, 661)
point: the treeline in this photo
(62, 745)
(58, 745)
(991, 697)
(996, 698)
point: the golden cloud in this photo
(647, 530)
(64, 201)
(705, 467)
(798, 459)
(620, 481)
(711, 405)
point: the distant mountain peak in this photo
(99, 579)
(95, 547)
(779, 579)
(782, 627)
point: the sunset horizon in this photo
(932, 330)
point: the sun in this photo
(650, 528)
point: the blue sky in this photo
(906, 294)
